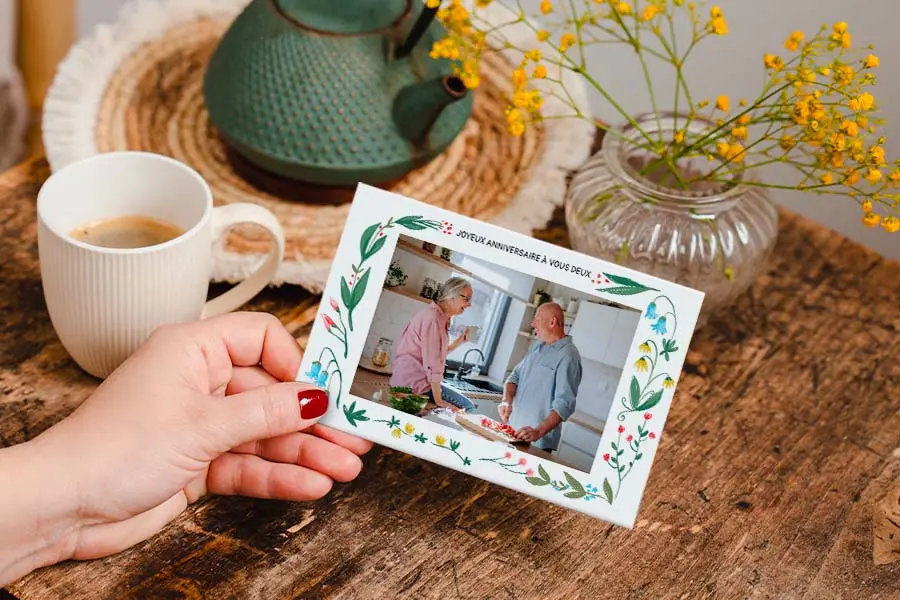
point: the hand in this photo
(529, 434)
(197, 410)
(505, 411)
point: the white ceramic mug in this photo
(105, 302)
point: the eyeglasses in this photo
(466, 298)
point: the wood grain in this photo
(778, 444)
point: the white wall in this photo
(731, 65)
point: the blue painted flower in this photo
(651, 311)
(660, 326)
(322, 379)
(588, 498)
(591, 488)
(314, 370)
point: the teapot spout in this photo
(418, 105)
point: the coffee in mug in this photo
(129, 231)
(125, 241)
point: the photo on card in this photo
(513, 360)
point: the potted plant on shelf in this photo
(678, 191)
(395, 275)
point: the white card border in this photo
(384, 425)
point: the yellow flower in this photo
(533, 55)
(641, 364)
(876, 155)
(718, 26)
(773, 62)
(826, 178)
(863, 102)
(396, 433)
(840, 27)
(715, 12)
(650, 11)
(645, 347)
(787, 142)
(519, 78)
(516, 128)
(470, 80)
(730, 152)
(668, 382)
(678, 137)
(739, 133)
(566, 41)
(743, 119)
(873, 175)
(723, 103)
(543, 35)
(440, 440)
(866, 206)
(871, 61)
(870, 219)
(891, 224)
(539, 72)
(409, 428)
(433, 3)
(850, 128)
(793, 42)
(482, 3)
(623, 8)
(546, 6)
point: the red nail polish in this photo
(313, 403)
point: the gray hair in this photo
(452, 288)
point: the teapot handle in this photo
(418, 29)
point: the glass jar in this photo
(714, 237)
(382, 353)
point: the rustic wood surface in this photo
(781, 438)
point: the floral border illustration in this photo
(648, 384)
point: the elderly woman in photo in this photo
(425, 343)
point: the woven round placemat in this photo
(153, 101)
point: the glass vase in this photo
(712, 236)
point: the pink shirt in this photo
(420, 355)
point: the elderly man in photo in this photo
(540, 391)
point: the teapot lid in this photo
(338, 17)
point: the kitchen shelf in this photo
(407, 294)
(408, 247)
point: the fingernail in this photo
(313, 403)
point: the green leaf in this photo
(607, 490)
(622, 290)
(366, 239)
(354, 415)
(635, 392)
(613, 444)
(378, 245)
(358, 290)
(575, 494)
(345, 291)
(543, 473)
(622, 280)
(638, 456)
(536, 481)
(651, 401)
(576, 485)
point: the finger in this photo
(308, 451)
(104, 539)
(249, 475)
(263, 412)
(356, 445)
(254, 338)
(247, 378)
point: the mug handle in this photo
(224, 217)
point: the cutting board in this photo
(466, 422)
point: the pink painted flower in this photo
(522, 461)
(629, 438)
(648, 416)
(606, 457)
(334, 305)
(329, 322)
(652, 436)
(507, 455)
(529, 472)
(621, 429)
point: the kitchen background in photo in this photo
(502, 309)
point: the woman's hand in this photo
(198, 409)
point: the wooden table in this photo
(782, 435)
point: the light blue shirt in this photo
(546, 379)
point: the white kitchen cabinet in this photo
(622, 337)
(578, 445)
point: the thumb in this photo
(268, 411)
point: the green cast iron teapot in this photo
(335, 92)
